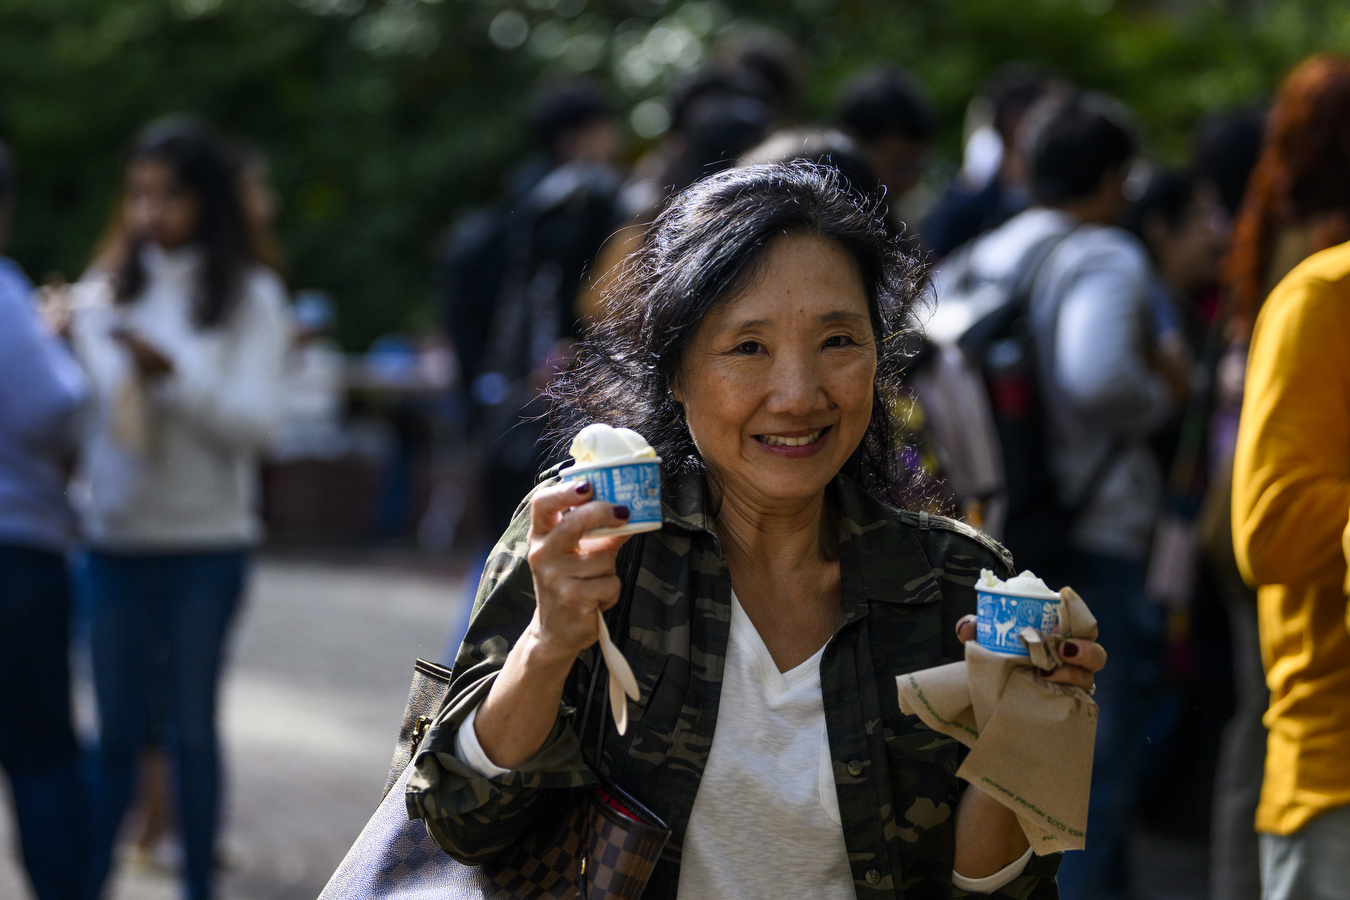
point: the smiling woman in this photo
(753, 341)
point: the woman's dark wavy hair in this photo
(200, 160)
(704, 249)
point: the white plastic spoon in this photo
(621, 680)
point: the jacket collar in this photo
(880, 559)
(684, 503)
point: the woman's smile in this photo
(793, 444)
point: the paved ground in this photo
(322, 661)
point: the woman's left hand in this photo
(1082, 658)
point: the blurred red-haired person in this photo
(1291, 473)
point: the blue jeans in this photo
(1131, 629)
(161, 612)
(38, 750)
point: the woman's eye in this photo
(838, 340)
(750, 347)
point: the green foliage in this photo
(382, 117)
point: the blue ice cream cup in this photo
(1001, 613)
(634, 483)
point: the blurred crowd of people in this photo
(1076, 390)
(1075, 386)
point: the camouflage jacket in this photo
(906, 579)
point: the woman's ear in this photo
(674, 390)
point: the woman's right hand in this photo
(574, 575)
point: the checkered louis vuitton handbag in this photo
(601, 845)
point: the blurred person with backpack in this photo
(1287, 460)
(41, 391)
(573, 124)
(509, 278)
(183, 333)
(1054, 308)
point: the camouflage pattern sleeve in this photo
(471, 816)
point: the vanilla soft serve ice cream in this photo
(1005, 608)
(1026, 583)
(622, 469)
(600, 444)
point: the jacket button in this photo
(854, 768)
(873, 876)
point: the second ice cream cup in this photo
(1002, 612)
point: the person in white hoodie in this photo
(182, 332)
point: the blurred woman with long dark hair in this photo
(183, 331)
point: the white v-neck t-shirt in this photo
(765, 822)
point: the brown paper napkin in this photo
(1030, 740)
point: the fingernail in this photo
(622, 513)
(1046, 673)
(584, 488)
(1068, 651)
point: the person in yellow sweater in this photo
(1291, 501)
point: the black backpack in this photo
(1000, 343)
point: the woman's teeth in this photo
(774, 440)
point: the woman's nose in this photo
(797, 386)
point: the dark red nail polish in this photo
(584, 488)
(1068, 651)
(622, 513)
(1046, 673)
